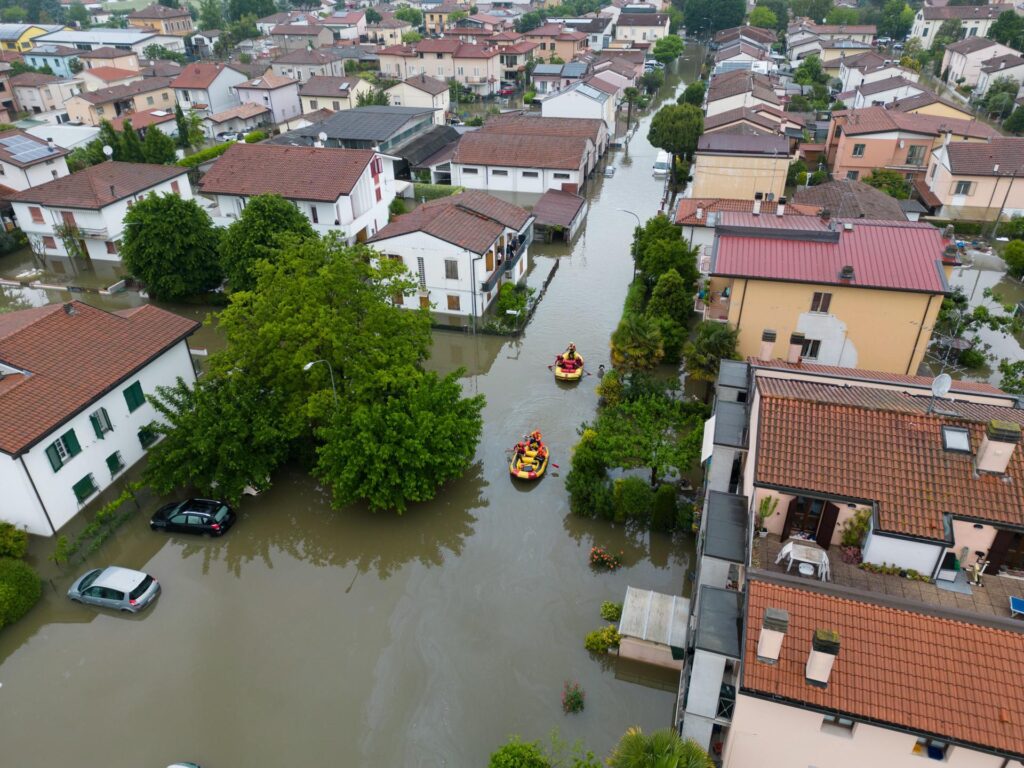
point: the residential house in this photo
(118, 58)
(207, 87)
(476, 67)
(241, 118)
(610, 77)
(833, 283)
(73, 408)
(462, 249)
(347, 191)
(310, 62)
(61, 60)
(600, 30)
(846, 199)
(1009, 65)
(864, 68)
(641, 27)
(741, 54)
(39, 93)
(551, 78)
(436, 19)
(93, 107)
(621, 67)
(529, 124)
(594, 99)
(346, 26)
(388, 31)
(874, 137)
(806, 38)
(731, 90)
(267, 23)
(737, 166)
(98, 78)
(205, 41)
(333, 93)
(559, 215)
(521, 163)
(279, 94)
(556, 40)
(162, 120)
(88, 207)
(929, 103)
(742, 120)
(975, 20)
(22, 37)
(298, 37)
(161, 68)
(764, 37)
(65, 136)
(423, 92)
(28, 161)
(514, 58)
(176, 22)
(962, 60)
(834, 52)
(981, 181)
(136, 40)
(8, 107)
(882, 92)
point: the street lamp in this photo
(636, 234)
(330, 368)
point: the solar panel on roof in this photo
(24, 150)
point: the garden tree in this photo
(714, 342)
(457, 16)
(519, 754)
(841, 15)
(77, 15)
(182, 125)
(220, 436)
(781, 10)
(372, 16)
(675, 19)
(999, 98)
(655, 229)
(20, 589)
(661, 749)
(211, 14)
(13, 14)
(676, 129)
(637, 344)
(694, 94)
(1013, 255)
(891, 182)
(896, 20)
(401, 441)
(1012, 380)
(169, 3)
(170, 244)
(631, 96)
(1008, 29)
(798, 103)
(20, 67)
(653, 80)
(529, 21)
(411, 37)
(413, 15)
(812, 9)
(243, 28)
(131, 144)
(670, 307)
(236, 9)
(709, 16)
(661, 256)
(793, 175)
(376, 97)
(158, 147)
(83, 157)
(810, 72)
(587, 481)
(668, 48)
(948, 32)
(257, 234)
(1015, 122)
(763, 17)
(156, 51)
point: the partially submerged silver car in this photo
(119, 588)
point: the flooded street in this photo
(313, 637)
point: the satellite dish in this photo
(322, 136)
(108, 150)
(942, 384)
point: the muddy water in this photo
(311, 637)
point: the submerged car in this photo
(114, 587)
(204, 516)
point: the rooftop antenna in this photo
(940, 388)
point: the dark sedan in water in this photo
(194, 516)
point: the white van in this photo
(662, 164)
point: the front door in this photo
(812, 519)
(1007, 549)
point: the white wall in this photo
(919, 555)
(20, 505)
(22, 178)
(574, 104)
(516, 180)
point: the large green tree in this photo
(843, 15)
(170, 244)
(714, 342)
(892, 183)
(1015, 122)
(781, 10)
(637, 344)
(705, 17)
(1008, 29)
(413, 15)
(676, 128)
(661, 749)
(763, 17)
(211, 14)
(259, 234)
(667, 49)
(693, 94)
(896, 19)
(158, 147)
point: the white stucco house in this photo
(278, 94)
(27, 161)
(521, 163)
(594, 99)
(338, 190)
(92, 204)
(461, 249)
(73, 408)
(207, 88)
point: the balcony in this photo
(507, 260)
(713, 306)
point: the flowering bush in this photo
(603, 560)
(850, 555)
(572, 698)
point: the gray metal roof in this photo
(654, 617)
(730, 424)
(364, 123)
(732, 373)
(574, 69)
(720, 621)
(726, 534)
(547, 69)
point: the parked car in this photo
(230, 136)
(205, 516)
(114, 587)
(507, 90)
(662, 164)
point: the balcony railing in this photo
(507, 260)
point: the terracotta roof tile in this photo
(33, 79)
(145, 119)
(266, 82)
(243, 111)
(120, 92)
(983, 158)
(964, 12)
(557, 208)
(926, 673)
(99, 185)
(297, 173)
(851, 200)
(198, 75)
(427, 84)
(519, 123)
(105, 53)
(883, 446)
(740, 114)
(1000, 63)
(924, 382)
(157, 11)
(8, 157)
(323, 85)
(73, 359)
(686, 212)
(113, 74)
(521, 151)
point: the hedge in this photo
(20, 589)
(13, 541)
(960, 227)
(252, 138)
(200, 157)
(434, 191)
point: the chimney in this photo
(768, 337)
(826, 214)
(112, 192)
(796, 346)
(997, 446)
(773, 630)
(69, 308)
(824, 649)
(846, 272)
(758, 197)
(780, 209)
(52, 146)
(700, 213)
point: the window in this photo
(335, 104)
(36, 214)
(853, 175)
(398, 300)
(931, 171)
(932, 748)
(313, 104)
(956, 440)
(820, 302)
(499, 173)
(451, 269)
(63, 449)
(115, 463)
(840, 726)
(963, 188)
(134, 397)
(147, 437)
(469, 170)
(313, 213)
(99, 110)
(100, 422)
(49, 243)
(149, 100)
(530, 174)
(166, 97)
(561, 175)
(175, 187)
(84, 488)
(810, 349)
(924, 32)
(858, 150)
(453, 303)
(379, 195)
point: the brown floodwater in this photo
(314, 637)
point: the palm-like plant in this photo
(631, 96)
(662, 749)
(715, 342)
(637, 344)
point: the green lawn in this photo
(127, 5)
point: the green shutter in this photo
(114, 463)
(134, 397)
(96, 425)
(71, 443)
(54, 456)
(84, 488)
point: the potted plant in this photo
(766, 510)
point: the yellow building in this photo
(18, 37)
(166, 21)
(108, 103)
(930, 104)
(737, 166)
(850, 293)
(976, 181)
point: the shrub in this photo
(850, 554)
(634, 500)
(603, 560)
(519, 754)
(684, 517)
(200, 157)
(254, 136)
(610, 388)
(611, 611)
(663, 515)
(425, 192)
(397, 208)
(600, 640)
(972, 358)
(20, 589)
(572, 698)
(13, 541)
(856, 528)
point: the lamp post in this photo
(636, 234)
(330, 368)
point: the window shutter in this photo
(96, 425)
(133, 396)
(54, 457)
(71, 443)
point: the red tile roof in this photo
(530, 125)
(73, 359)
(157, 11)
(686, 212)
(323, 85)
(557, 208)
(100, 185)
(105, 53)
(8, 157)
(518, 151)
(198, 75)
(126, 91)
(33, 79)
(266, 82)
(427, 84)
(472, 220)
(881, 120)
(113, 74)
(929, 674)
(740, 114)
(998, 157)
(923, 382)
(297, 173)
(883, 446)
(242, 111)
(140, 120)
(902, 256)
(964, 12)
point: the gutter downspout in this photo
(36, 491)
(472, 277)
